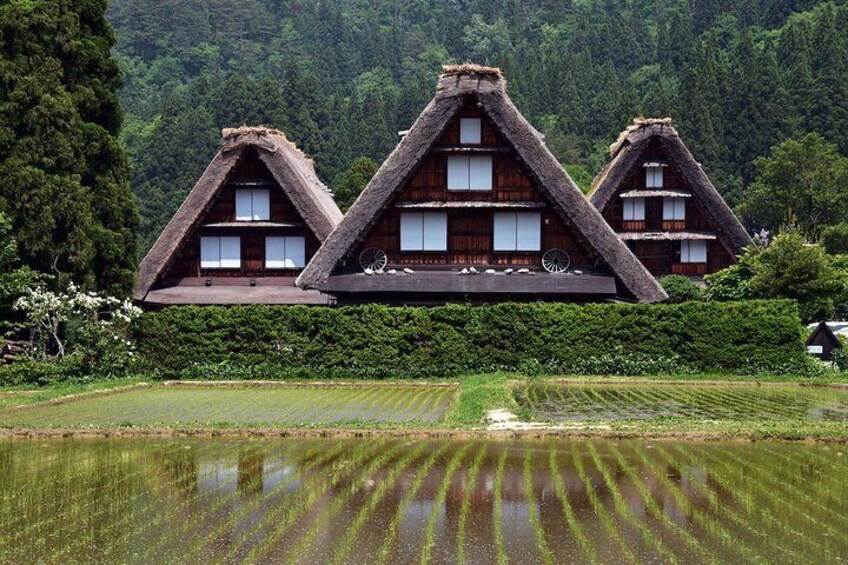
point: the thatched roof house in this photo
(659, 199)
(245, 230)
(472, 184)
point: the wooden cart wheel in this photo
(556, 261)
(373, 259)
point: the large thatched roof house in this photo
(245, 231)
(471, 205)
(661, 203)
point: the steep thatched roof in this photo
(489, 88)
(627, 153)
(291, 168)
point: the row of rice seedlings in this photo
(649, 539)
(439, 502)
(783, 494)
(742, 523)
(311, 459)
(306, 500)
(322, 405)
(470, 485)
(826, 494)
(538, 532)
(756, 501)
(439, 404)
(366, 510)
(653, 507)
(397, 405)
(713, 527)
(410, 494)
(497, 515)
(586, 548)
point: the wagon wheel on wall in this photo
(373, 259)
(556, 261)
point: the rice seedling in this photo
(544, 550)
(470, 485)
(439, 501)
(497, 515)
(587, 550)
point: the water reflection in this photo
(384, 501)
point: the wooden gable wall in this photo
(222, 209)
(470, 230)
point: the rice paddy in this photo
(551, 402)
(399, 501)
(301, 405)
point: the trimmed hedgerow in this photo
(381, 341)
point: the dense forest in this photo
(341, 78)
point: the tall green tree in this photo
(64, 178)
(351, 182)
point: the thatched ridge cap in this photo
(655, 125)
(472, 69)
(228, 134)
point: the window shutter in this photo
(244, 204)
(639, 209)
(295, 252)
(697, 251)
(470, 131)
(668, 208)
(528, 232)
(411, 232)
(457, 172)
(275, 252)
(654, 177)
(435, 232)
(629, 206)
(505, 231)
(210, 252)
(230, 252)
(261, 204)
(679, 208)
(480, 172)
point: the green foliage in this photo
(581, 177)
(835, 239)
(802, 183)
(680, 288)
(64, 178)
(840, 359)
(444, 341)
(351, 182)
(14, 279)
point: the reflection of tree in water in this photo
(250, 467)
(181, 466)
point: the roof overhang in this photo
(233, 295)
(667, 236)
(656, 193)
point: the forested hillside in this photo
(341, 78)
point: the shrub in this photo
(379, 341)
(840, 359)
(680, 289)
(835, 239)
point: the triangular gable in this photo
(292, 170)
(627, 154)
(824, 330)
(488, 86)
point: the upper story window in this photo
(693, 251)
(423, 232)
(470, 172)
(220, 252)
(674, 209)
(470, 131)
(517, 231)
(285, 252)
(634, 209)
(653, 175)
(253, 204)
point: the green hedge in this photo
(380, 341)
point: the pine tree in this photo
(64, 178)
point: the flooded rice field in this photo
(272, 405)
(400, 501)
(577, 402)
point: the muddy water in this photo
(390, 501)
(573, 402)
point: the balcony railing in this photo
(689, 268)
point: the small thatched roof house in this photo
(659, 200)
(469, 195)
(246, 229)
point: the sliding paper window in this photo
(517, 231)
(220, 252)
(285, 252)
(423, 232)
(253, 204)
(471, 173)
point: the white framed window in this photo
(423, 232)
(285, 252)
(517, 231)
(470, 131)
(470, 172)
(674, 208)
(253, 204)
(693, 251)
(634, 209)
(220, 252)
(654, 176)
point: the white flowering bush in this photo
(87, 327)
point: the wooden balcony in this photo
(633, 225)
(674, 225)
(689, 269)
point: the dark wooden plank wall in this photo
(187, 262)
(662, 258)
(470, 231)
